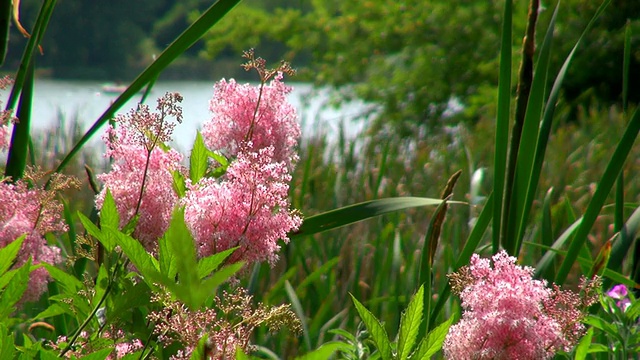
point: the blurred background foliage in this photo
(417, 60)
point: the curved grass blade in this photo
(502, 121)
(526, 150)
(599, 197)
(193, 33)
(42, 20)
(19, 149)
(622, 246)
(545, 126)
(361, 211)
(5, 22)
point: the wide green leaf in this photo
(361, 211)
(325, 351)
(14, 290)
(377, 331)
(210, 263)
(410, 324)
(109, 215)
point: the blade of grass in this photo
(5, 25)
(526, 151)
(545, 126)
(524, 104)
(358, 212)
(189, 37)
(39, 27)
(19, 149)
(599, 197)
(502, 121)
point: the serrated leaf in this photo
(410, 324)
(377, 331)
(199, 161)
(109, 215)
(14, 290)
(8, 254)
(7, 348)
(98, 355)
(433, 342)
(69, 283)
(166, 258)
(179, 183)
(199, 352)
(326, 351)
(210, 263)
(53, 310)
(48, 355)
(107, 241)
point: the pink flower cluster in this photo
(509, 315)
(31, 212)
(140, 179)
(257, 114)
(247, 207)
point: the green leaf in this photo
(582, 349)
(14, 290)
(200, 351)
(358, 212)
(109, 215)
(17, 157)
(49, 355)
(600, 196)
(7, 348)
(179, 183)
(299, 310)
(107, 241)
(240, 355)
(433, 342)
(502, 121)
(199, 161)
(69, 283)
(326, 351)
(377, 331)
(8, 254)
(167, 258)
(53, 310)
(210, 263)
(98, 355)
(410, 324)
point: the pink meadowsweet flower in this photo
(509, 315)
(248, 113)
(31, 212)
(140, 179)
(248, 208)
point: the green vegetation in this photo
(560, 197)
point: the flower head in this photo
(248, 208)
(32, 212)
(141, 180)
(620, 293)
(260, 115)
(509, 315)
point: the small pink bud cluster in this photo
(32, 212)
(509, 315)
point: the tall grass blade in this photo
(358, 212)
(192, 34)
(526, 151)
(5, 25)
(19, 149)
(545, 126)
(39, 27)
(599, 197)
(623, 244)
(502, 122)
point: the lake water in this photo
(86, 101)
